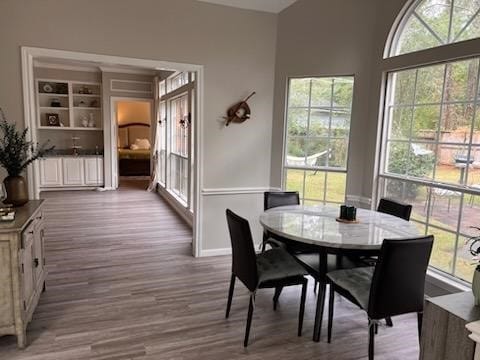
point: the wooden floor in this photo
(122, 284)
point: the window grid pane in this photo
(432, 160)
(434, 23)
(317, 136)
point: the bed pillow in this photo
(134, 147)
(142, 144)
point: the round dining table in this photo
(317, 228)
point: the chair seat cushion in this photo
(356, 282)
(276, 264)
(334, 262)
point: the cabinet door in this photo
(73, 171)
(51, 172)
(94, 171)
(27, 269)
(38, 252)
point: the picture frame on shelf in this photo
(52, 119)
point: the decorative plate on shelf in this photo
(48, 88)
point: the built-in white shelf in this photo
(54, 108)
(69, 94)
(53, 95)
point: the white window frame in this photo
(409, 10)
(188, 89)
(323, 169)
(393, 63)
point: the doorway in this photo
(134, 134)
(192, 213)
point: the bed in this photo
(134, 160)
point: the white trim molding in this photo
(215, 252)
(115, 89)
(222, 252)
(363, 200)
(181, 210)
(83, 68)
(121, 70)
(237, 191)
(29, 54)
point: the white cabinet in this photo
(57, 173)
(73, 171)
(93, 170)
(51, 171)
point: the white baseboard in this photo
(215, 252)
(222, 252)
(359, 200)
(184, 213)
(237, 191)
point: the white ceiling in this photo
(272, 6)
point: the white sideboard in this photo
(60, 172)
(22, 269)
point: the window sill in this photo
(447, 283)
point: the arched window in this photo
(430, 153)
(432, 23)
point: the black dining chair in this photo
(395, 208)
(394, 286)
(273, 268)
(272, 199)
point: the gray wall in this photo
(236, 47)
(322, 37)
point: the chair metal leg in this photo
(249, 320)
(371, 339)
(302, 307)
(264, 243)
(375, 326)
(331, 300)
(389, 322)
(319, 311)
(419, 324)
(276, 296)
(230, 295)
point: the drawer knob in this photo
(36, 262)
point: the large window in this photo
(432, 23)
(162, 146)
(431, 132)
(179, 151)
(175, 160)
(317, 135)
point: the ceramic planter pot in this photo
(16, 189)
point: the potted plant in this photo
(16, 153)
(474, 242)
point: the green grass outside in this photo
(442, 254)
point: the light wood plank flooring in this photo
(123, 285)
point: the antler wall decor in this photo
(239, 112)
